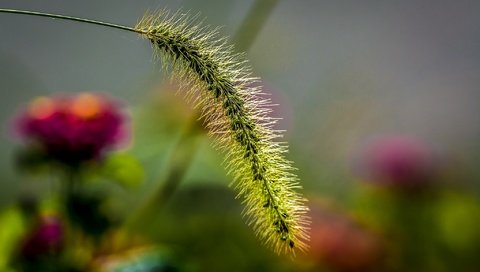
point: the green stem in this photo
(253, 23)
(180, 161)
(71, 18)
(70, 183)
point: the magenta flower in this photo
(73, 129)
(401, 161)
(47, 237)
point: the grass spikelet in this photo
(236, 114)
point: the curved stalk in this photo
(70, 18)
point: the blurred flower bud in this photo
(72, 129)
(46, 238)
(340, 243)
(401, 162)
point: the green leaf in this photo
(12, 228)
(123, 169)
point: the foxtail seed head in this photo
(220, 84)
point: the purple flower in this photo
(400, 161)
(72, 129)
(45, 238)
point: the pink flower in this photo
(45, 238)
(341, 243)
(72, 129)
(400, 161)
